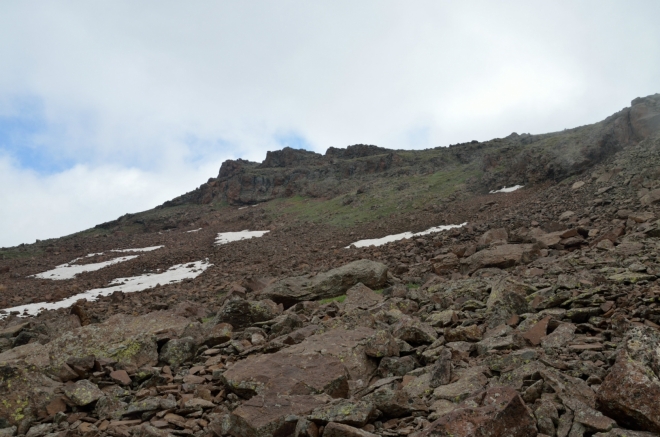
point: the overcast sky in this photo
(110, 107)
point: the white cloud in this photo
(139, 94)
(40, 207)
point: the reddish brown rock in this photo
(445, 263)
(495, 412)
(537, 332)
(120, 377)
(506, 255)
(282, 373)
(333, 429)
(630, 394)
(266, 415)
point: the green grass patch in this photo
(333, 299)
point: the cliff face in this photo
(517, 159)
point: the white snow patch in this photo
(194, 230)
(142, 249)
(69, 270)
(507, 189)
(228, 237)
(176, 273)
(396, 237)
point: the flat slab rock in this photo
(266, 415)
(282, 373)
(332, 283)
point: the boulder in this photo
(284, 374)
(332, 283)
(507, 298)
(344, 345)
(83, 392)
(445, 263)
(243, 313)
(631, 390)
(177, 351)
(122, 338)
(494, 237)
(506, 255)
(268, 415)
(360, 296)
(495, 412)
(381, 344)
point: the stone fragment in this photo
(560, 337)
(507, 298)
(445, 263)
(537, 332)
(413, 331)
(651, 197)
(332, 283)
(470, 382)
(361, 296)
(83, 392)
(547, 417)
(393, 401)
(381, 344)
(472, 333)
(441, 371)
(218, 334)
(442, 318)
(120, 377)
(338, 430)
(493, 237)
(344, 411)
(507, 342)
(177, 351)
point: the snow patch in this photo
(70, 270)
(507, 189)
(176, 273)
(194, 230)
(142, 249)
(228, 237)
(397, 237)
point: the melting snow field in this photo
(228, 237)
(70, 269)
(176, 273)
(507, 189)
(143, 249)
(396, 237)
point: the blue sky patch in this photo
(293, 140)
(24, 137)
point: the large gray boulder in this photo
(332, 283)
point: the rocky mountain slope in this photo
(539, 317)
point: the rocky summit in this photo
(251, 307)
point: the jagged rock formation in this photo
(516, 159)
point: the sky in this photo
(112, 107)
